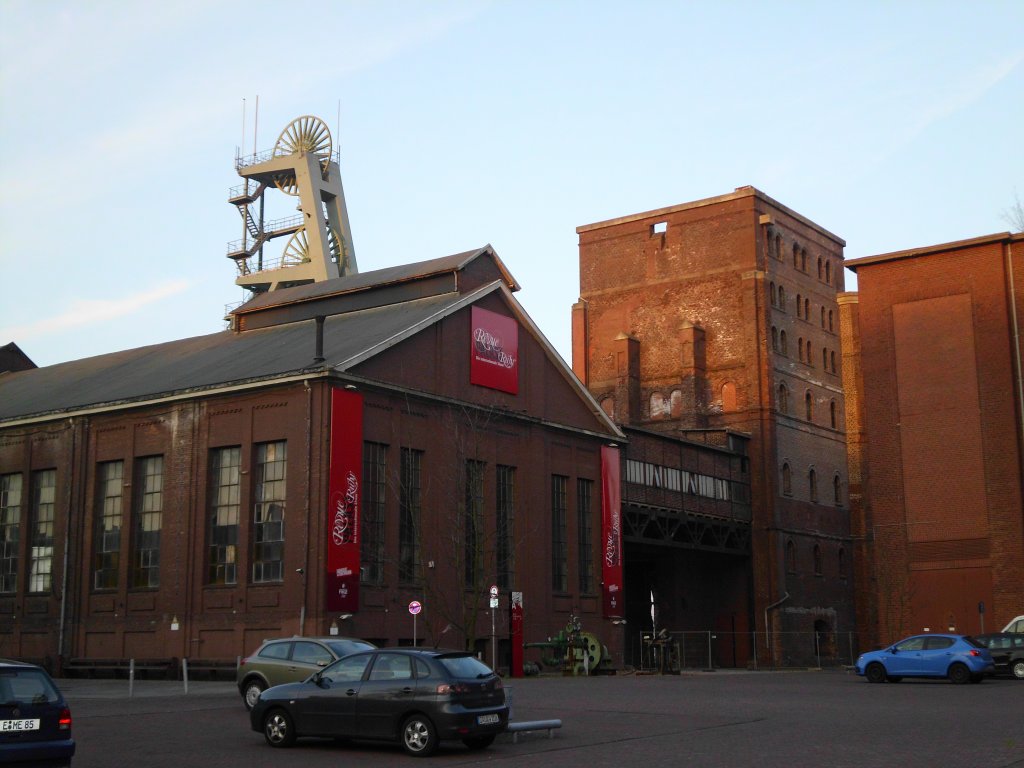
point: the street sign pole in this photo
(494, 641)
(414, 608)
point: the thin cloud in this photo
(90, 312)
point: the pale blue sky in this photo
(893, 125)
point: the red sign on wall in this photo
(343, 501)
(494, 351)
(611, 533)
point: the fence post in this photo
(131, 678)
(184, 672)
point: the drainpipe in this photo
(1008, 248)
(73, 474)
(767, 631)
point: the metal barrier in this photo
(671, 652)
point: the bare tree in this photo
(1014, 215)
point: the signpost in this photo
(494, 642)
(414, 608)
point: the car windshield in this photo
(345, 647)
(26, 686)
(465, 667)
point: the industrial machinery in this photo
(576, 652)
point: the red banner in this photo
(494, 351)
(611, 534)
(515, 606)
(343, 501)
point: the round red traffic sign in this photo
(494, 590)
(415, 607)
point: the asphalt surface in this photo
(764, 719)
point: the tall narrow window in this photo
(783, 399)
(374, 487)
(817, 560)
(832, 360)
(808, 406)
(810, 360)
(505, 507)
(107, 544)
(800, 347)
(148, 521)
(812, 485)
(830, 320)
(807, 309)
(783, 346)
(803, 259)
(787, 480)
(824, 358)
(778, 247)
(796, 256)
(409, 515)
(472, 520)
(222, 533)
(775, 339)
(268, 513)
(837, 491)
(822, 317)
(585, 534)
(828, 272)
(44, 490)
(773, 293)
(790, 556)
(819, 268)
(832, 414)
(782, 298)
(799, 306)
(559, 543)
(10, 528)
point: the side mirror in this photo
(894, 650)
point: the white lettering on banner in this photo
(611, 550)
(343, 532)
(343, 572)
(490, 349)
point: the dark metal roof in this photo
(216, 360)
(376, 279)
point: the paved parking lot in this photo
(703, 719)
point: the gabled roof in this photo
(13, 359)
(228, 361)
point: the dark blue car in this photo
(959, 657)
(35, 721)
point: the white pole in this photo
(414, 630)
(184, 672)
(131, 677)
(494, 644)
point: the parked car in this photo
(959, 657)
(35, 721)
(1016, 625)
(290, 660)
(417, 697)
(1007, 649)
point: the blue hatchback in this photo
(959, 657)
(35, 722)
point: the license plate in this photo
(487, 719)
(19, 725)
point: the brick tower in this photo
(721, 314)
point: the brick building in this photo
(934, 391)
(721, 314)
(187, 499)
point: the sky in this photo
(891, 124)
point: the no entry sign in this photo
(415, 607)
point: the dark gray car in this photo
(416, 697)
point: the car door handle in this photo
(350, 692)
(407, 689)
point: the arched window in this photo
(783, 403)
(830, 320)
(728, 397)
(822, 317)
(659, 406)
(819, 267)
(824, 358)
(796, 255)
(832, 414)
(810, 360)
(807, 309)
(799, 305)
(775, 339)
(828, 272)
(783, 346)
(812, 485)
(778, 247)
(676, 403)
(800, 347)
(803, 259)
(808, 406)
(768, 240)
(841, 562)
(772, 293)
(782, 298)
(817, 560)
(790, 556)
(832, 360)
(837, 491)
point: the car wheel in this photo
(419, 737)
(959, 674)
(479, 742)
(278, 729)
(252, 690)
(875, 673)
(892, 679)
(1018, 669)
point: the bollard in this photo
(184, 672)
(131, 678)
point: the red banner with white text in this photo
(494, 351)
(343, 501)
(611, 534)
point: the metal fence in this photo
(672, 652)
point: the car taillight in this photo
(64, 723)
(975, 652)
(242, 662)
